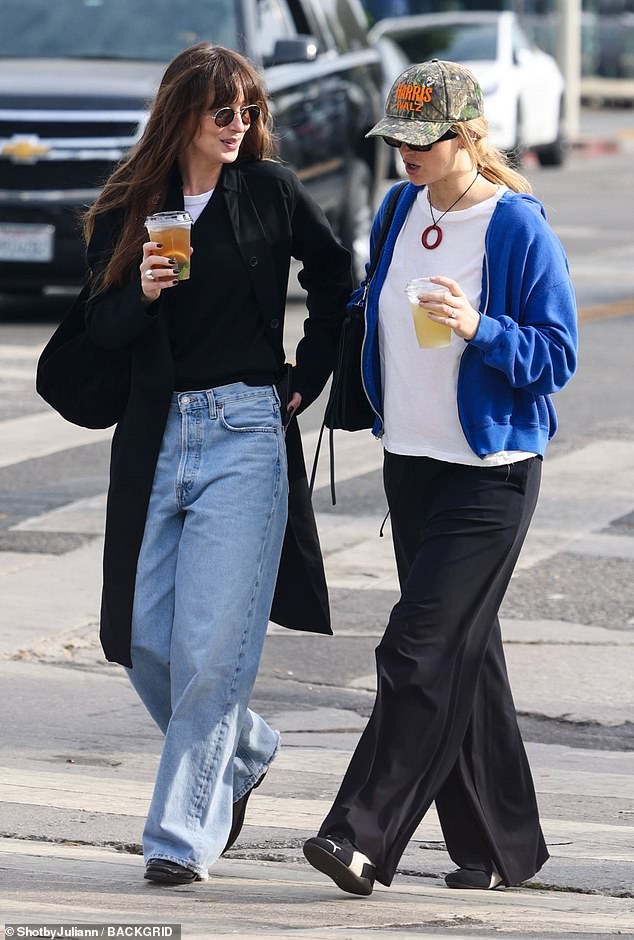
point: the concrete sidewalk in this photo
(79, 754)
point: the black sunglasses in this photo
(225, 116)
(419, 148)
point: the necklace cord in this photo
(435, 228)
(455, 203)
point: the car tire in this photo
(554, 154)
(357, 216)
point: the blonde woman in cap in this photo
(464, 428)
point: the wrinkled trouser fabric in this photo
(205, 580)
(443, 727)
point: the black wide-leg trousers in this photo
(444, 726)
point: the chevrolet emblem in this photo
(24, 149)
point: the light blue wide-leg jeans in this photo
(205, 580)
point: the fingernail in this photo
(171, 260)
(175, 281)
(159, 245)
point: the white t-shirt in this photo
(420, 385)
(195, 204)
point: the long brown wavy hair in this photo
(198, 78)
(491, 163)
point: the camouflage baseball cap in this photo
(426, 99)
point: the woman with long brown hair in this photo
(461, 384)
(198, 497)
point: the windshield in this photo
(114, 29)
(457, 42)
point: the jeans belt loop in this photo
(211, 401)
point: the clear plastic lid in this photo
(175, 217)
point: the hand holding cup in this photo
(169, 231)
(439, 301)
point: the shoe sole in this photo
(326, 863)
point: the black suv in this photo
(76, 77)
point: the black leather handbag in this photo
(85, 384)
(348, 408)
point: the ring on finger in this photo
(149, 275)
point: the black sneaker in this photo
(340, 860)
(473, 878)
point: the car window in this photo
(457, 43)
(274, 21)
(114, 29)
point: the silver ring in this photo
(149, 274)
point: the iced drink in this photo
(429, 334)
(172, 231)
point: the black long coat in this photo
(273, 218)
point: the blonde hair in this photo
(491, 163)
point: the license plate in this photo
(26, 242)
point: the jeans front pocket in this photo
(251, 413)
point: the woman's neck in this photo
(444, 193)
(198, 179)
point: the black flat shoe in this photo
(239, 811)
(473, 878)
(351, 870)
(169, 873)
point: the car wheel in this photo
(357, 216)
(554, 154)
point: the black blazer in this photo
(273, 218)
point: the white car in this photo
(523, 87)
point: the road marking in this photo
(20, 352)
(40, 435)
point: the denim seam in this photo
(267, 395)
(182, 463)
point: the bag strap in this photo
(386, 222)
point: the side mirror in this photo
(297, 49)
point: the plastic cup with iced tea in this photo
(172, 230)
(430, 335)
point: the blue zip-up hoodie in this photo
(525, 347)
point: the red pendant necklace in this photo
(434, 227)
